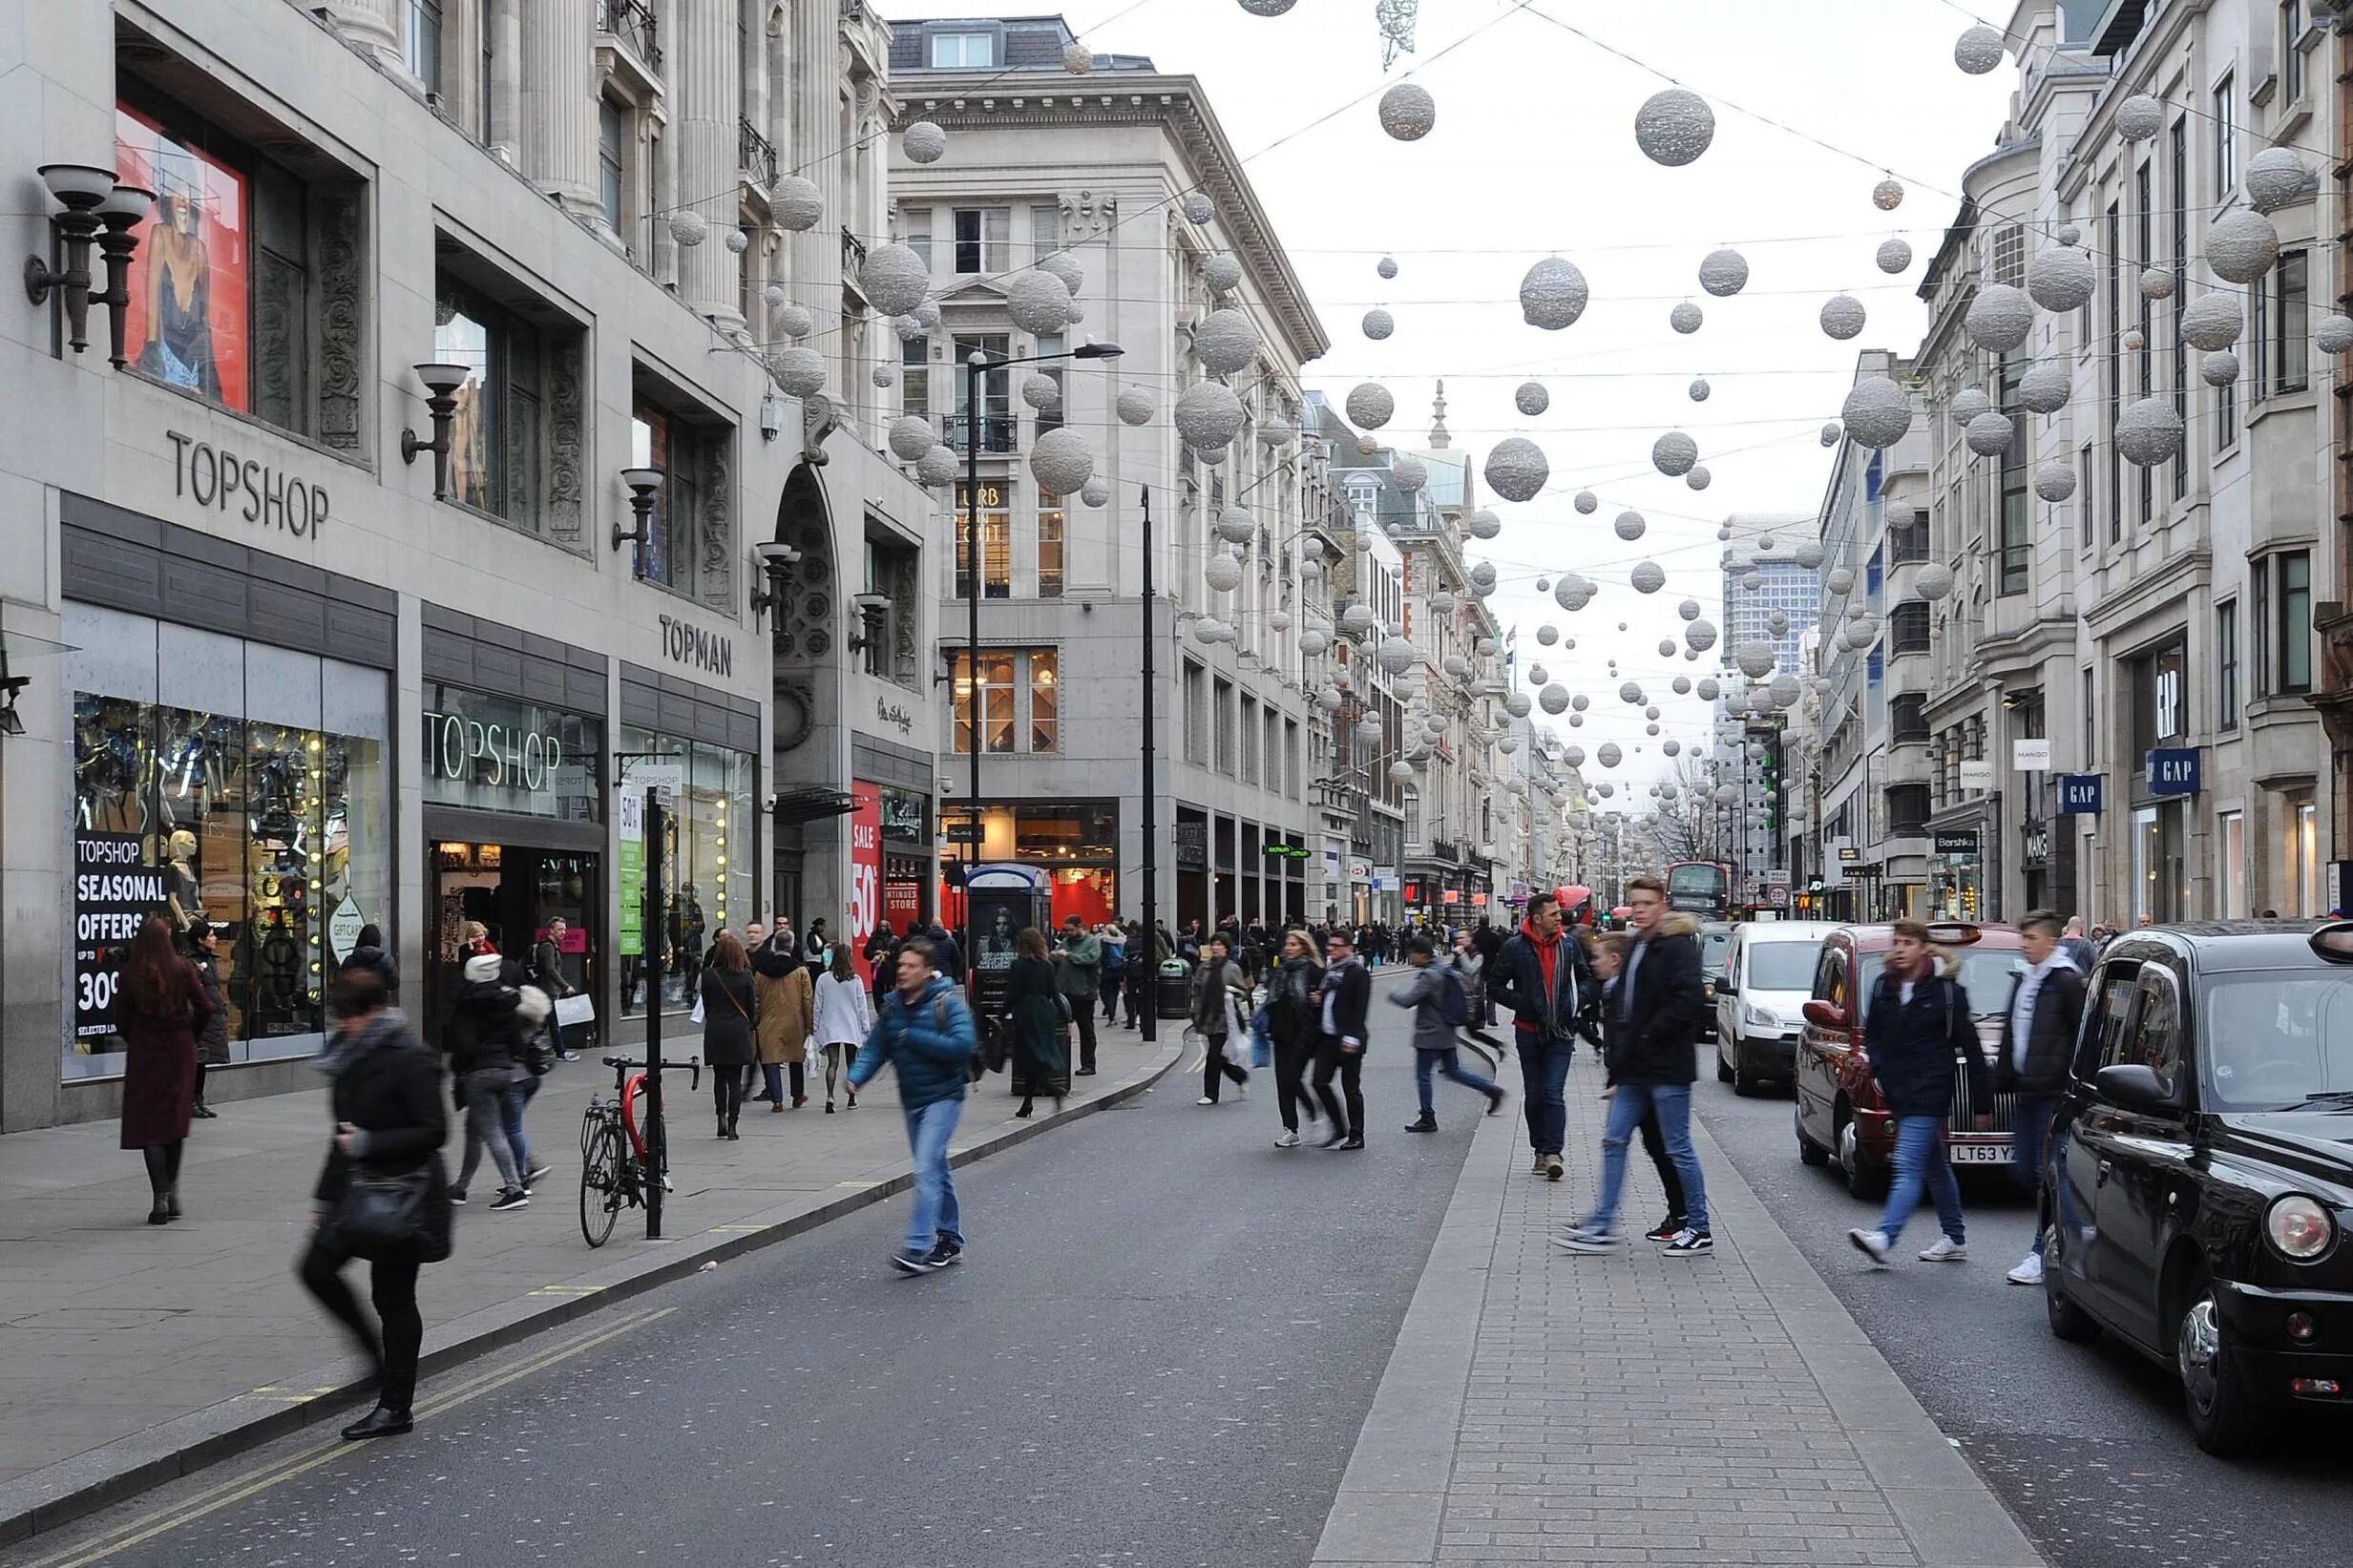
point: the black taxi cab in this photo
(2201, 1173)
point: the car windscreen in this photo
(1781, 966)
(1984, 974)
(1713, 947)
(2278, 1040)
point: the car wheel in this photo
(2222, 1413)
(2068, 1321)
(1723, 1069)
(1808, 1151)
(1744, 1081)
(1864, 1178)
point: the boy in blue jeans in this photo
(926, 1032)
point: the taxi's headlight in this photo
(2300, 1227)
(1764, 1018)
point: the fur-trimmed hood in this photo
(1678, 924)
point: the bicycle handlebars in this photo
(621, 1065)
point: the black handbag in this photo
(385, 1217)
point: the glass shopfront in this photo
(1076, 843)
(711, 854)
(230, 783)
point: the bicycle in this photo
(619, 1159)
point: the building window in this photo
(2295, 600)
(1907, 540)
(494, 436)
(963, 51)
(915, 378)
(919, 237)
(2225, 139)
(1196, 713)
(2091, 720)
(420, 42)
(1045, 232)
(2291, 58)
(613, 142)
(2114, 385)
(1907, 628)
(2086, 501)
(2017, 511)
(659, 439)
(995, 542)
(1045, 699)
(997, 675)
(2290, 328)
(2226, 664)
(1291, 770)
(2304, 856)
(2226, 417)
(895, 570)
(1907, 716)
(1051, 519)
(1222, 700)
(2231, 890)
(1412, 814)
(1907, 810)
(1249, 740)
(996, 422)
(983, 235)
(2179, 161)
(2009, 254)
(2258, 625)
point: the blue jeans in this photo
(1428, 1064)
(1626, 1107)
(935, 1218)
(518, 1095)
(1544, 1075)
(1920, 1158)
(2030, 1143)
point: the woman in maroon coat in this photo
(160, 1009)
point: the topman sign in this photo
(692, 648)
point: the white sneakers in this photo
(1289, 1141)
(1876, 1246)
(1871, 1243)
(1944, 1250)
(1205, 1101)
(2029, 1270)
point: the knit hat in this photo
(484, 968)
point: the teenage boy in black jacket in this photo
(1345, 992)
(1917, 1025)
(2038, 1050)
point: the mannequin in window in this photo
(180, 889)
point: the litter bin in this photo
(1176, 984)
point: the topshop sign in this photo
(495, 754)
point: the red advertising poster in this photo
(189, 280)
(865, 869)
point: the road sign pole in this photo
(657, 930)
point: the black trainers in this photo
(945, 1254)
(1427, 1122)
(457, 1195)
(511, 1197)
(538, 1174)
(1689, 1243)
(1666, 1230)
(913, 1263)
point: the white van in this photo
(1760, 1001)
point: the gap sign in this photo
(2174, 771)
(2079, 795)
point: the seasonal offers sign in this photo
(113, 889)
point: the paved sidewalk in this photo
(1542, 1406)
(130, 1354)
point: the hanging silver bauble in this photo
(1065, 267)
(1887, 195)
(1699, 390)
(1674, 453)
(924, 142)
(1208, 629)
(2139, 117)
(1648, 578)
(1038, 302)
(1608, 754)
(1059, 462)
(1895, 255)
(2045, 387)
(1877, 412)
(799, 371)
(1842, 317)
(1369, 731)
(940, 466)
(1236, 526)
(1222, 571)
(1357, 620)
(737, 242)
(2134, 341)
(1553, 294)
(1667, 647)
(2156, 283)
(2000, 318)
(1517, 704)
(1197, 206)
(1833, 433)
(2061, 278)
(1312, 641)
(1041, 392)
(794, 321)
(2149, 431)
(1756, 659)
(1776, 622)
(1209, 415)
(1225, 342)
(797, 203)
(907, 326)
(1967, 403)
(1573, 756)
(1548, 633)
(1536, 675)
(1378, 324)
(1839, 582)
(1675, 127)
(1933, 581)
(774, 294)
(2242, 246)
(1682, 685)
(2333, 334)
(1553, 697)
(1096, 493)
(1686, 318)
(1387, 266)
(1708, 690)
(1136, 406)
(885, 374)
(1978, 50)
(1370, 405)
(1688, 609)
(2054, 482)
(1699, 636)
(1586, 502)
(1267, 8)
(689, 227)
(1989, 435)
(1629, 525)
(1409, 474)
(910, 437)
(894, 278)
(1531, 399)
(1516, 468)
(1408, 112)
(2274, 177)
(1077, 59)
(1723, 273)
(1699, 478)
(2213, 320)
(1808, 554)
(2220, 368)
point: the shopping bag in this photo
(578, 1008)
(696, 1016)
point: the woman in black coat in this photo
(388, 1123)
(212, 1041)
(730, 1009)
(1034, 1007)
(1294, 1023)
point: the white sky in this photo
(1534, 153)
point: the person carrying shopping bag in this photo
(785, 989)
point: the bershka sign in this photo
(114, 890)
(691, 647)
(1957, 841)
(217, 478)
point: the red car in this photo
(1840, 1113)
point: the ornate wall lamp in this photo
(94, 202)
(644, 483)
(441, 385)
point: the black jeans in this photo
(1215, 1069)
(1655, 1144)
(394, 1287)
(1082, 1015)
(727, 1086)
(1114, 984)
(1349, 1065)
(1292, 1059)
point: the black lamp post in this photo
(975, 366)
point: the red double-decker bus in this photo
(1703, 888)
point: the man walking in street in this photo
(926, 1032)
(1344, 997)
(1654, 1034)
(2038, 1044)
(547, 972)
(1440, 1004)
(1078, 973)
(1213, 1006)
(1918, 1022)
(1545, 979)
(2077, 945)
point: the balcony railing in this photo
(632, 22)
(754, 154)
(853, 254)
(1000, 433)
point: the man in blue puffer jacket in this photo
(925, 1031)
(1918, 1024)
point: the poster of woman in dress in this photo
(189, 299)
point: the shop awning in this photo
(808, 802)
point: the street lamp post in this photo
(975, 365)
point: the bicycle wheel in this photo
(599, 1179)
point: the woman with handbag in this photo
(784, 993)
(160, 1009)
(381, 1195)
(1039, 1013)
(729, 1006)
(484, 1039)
(844, 1020)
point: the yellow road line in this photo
(162, 1521)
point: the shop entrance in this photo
(513, 891)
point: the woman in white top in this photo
(844, 1018)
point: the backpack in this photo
(1454, 1004)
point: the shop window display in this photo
(264, 811)
(708, 867)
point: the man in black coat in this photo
(1917, 1025)
(1653, 1038)
(1345, 994)
(2038, 1050)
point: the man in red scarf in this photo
(1543, 977)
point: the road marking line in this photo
(203, 1504)
(858, 1185)
(737, 1230)
(567, 1291)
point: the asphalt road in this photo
(2085, 1444)
(1159, 1351)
